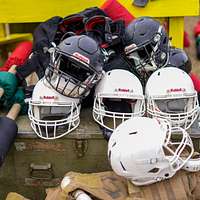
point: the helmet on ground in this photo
(118, 97)
(141, 150)
(52, 115)
(171, 95)
(76, 66)
(147, 45)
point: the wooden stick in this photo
(14, 111)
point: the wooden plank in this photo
(13, 11)
(164, 8)
(176, 29)
(15, 38)
(37, 10)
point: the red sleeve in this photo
(18, 56)
(116, 11)
(196, 82)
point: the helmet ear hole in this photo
(154, 170)
(165, 40)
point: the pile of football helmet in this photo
(138, 108)
(142, 149)
(76, 65)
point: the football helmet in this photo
(76, 66)
(52, 115)
(171, 95)
(179, 58)
(141, 150)
(99, 28)
(147, 45)
(118, 96)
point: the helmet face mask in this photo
(52, 115)
(180, 112)
(171, 95)
(70, 78)
(73, 72)
(157, 159)
(110, 112)
(118, 97)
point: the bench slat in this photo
(15, 38)
(12, 11)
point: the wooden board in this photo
(12, 11)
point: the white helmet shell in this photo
(141, 150)
(171, 95)
(118, 97)
(52, 115)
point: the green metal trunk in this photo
(34, 164)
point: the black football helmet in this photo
(146, 45)
(99, 28)
(179, 58)
(76, 66)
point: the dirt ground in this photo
(189, 26)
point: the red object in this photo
(116, 11)
(18, 56)
(196, 82)
(186, 41)
(197, 29)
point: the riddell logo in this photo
(176, 90)
(123, 90)
(81, 57)
(48, 97)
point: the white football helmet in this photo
(171, 95)
(118, 97)
(52, 115)
(141, 150)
